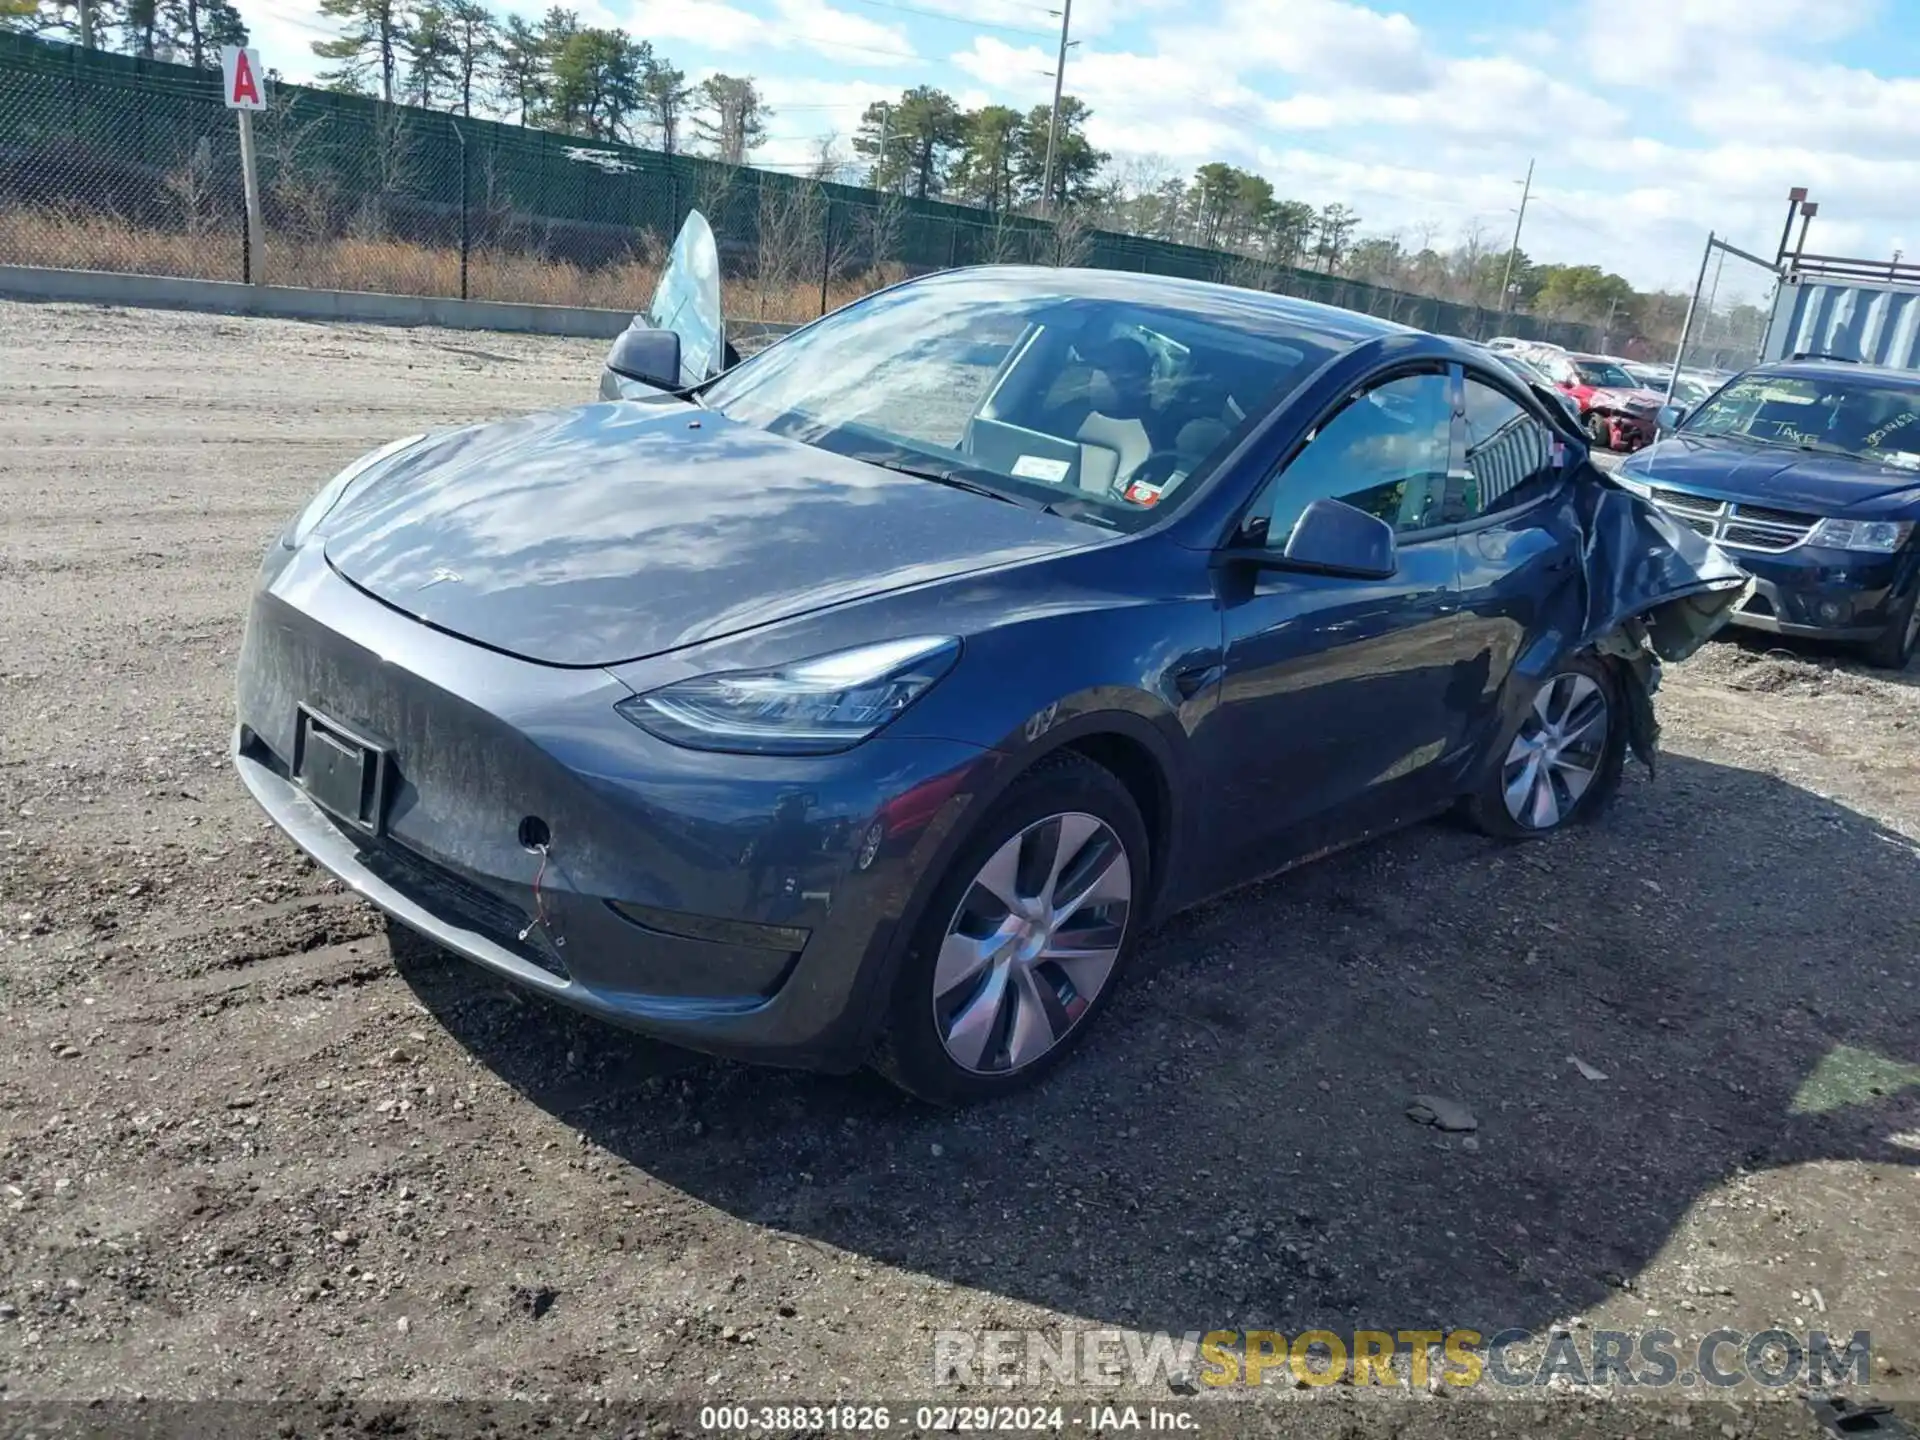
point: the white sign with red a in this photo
(246, 80)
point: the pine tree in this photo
(368, 45)
(664, 93)
(729, 117)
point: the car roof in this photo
(1840, 370)
(1176, 293)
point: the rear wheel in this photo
(1561, 764)
(1599, 431)
(1023, 940)
(1896, 644)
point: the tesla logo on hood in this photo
(440, 577)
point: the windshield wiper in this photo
(1080, 510)
(1773, 440)
(944, 476)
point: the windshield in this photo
(1873, 422)
(1604, 373)
(1073, 396)
(1689, 391)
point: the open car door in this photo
(680, 340)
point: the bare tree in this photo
(392, 150)
(1250, 272)
(1069, 238)
(879, 226)
(301, 187)
(1004, 241)
(191, 184)
(830, 161)
(729, 116)
(790, 249)
(717, 192)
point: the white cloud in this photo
(811, 25)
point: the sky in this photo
(1648, 122)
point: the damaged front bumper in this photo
(1657, 590)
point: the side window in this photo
(1509, 454)
(1385, 453)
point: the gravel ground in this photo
(254, 1145)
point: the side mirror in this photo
(650, 356)
(1670, 418)
(1333, 538)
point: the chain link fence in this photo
(1731, 311)
(113, 163)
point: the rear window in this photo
(1599, 373)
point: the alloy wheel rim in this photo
(1032, 943)
(1554, 759)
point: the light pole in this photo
(1808, 209)
(1795, 197)
(1506, 281)
(1053, 117)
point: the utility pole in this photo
(86, 24)
(1053, 117)
(886, 130)
(1506, 280)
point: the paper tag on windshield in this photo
(1039, 467)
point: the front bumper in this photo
(1823, 594)
(745, 906)
(1628, 433)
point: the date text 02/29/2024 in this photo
(948, 1419)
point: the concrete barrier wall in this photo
(225, 297)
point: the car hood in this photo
(614, 532)
(1774, 475)
(1615, 398)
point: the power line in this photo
(958, 19)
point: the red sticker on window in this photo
(1141, 493)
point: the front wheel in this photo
(1895, 645)
(1023, 940)
(1562, 762)
(1599, 432)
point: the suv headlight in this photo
(331, 494)
(812, 707)
(1881, 537)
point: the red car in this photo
(1617, 411)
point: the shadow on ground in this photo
(1735, 954)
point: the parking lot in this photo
(253, 1144)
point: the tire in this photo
(1599, 432)
(1579, 678)
(1003, 993)
(1895, 645)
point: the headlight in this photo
(812, 707)
(1638, 487)
(1882, 537)
(335, 489)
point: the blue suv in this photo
(1808, 473)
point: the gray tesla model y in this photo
(863, 702)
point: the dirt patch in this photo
(252, 1144)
